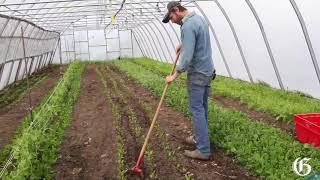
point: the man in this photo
(196, 60)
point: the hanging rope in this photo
(26, 72)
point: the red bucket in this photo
(308, 128)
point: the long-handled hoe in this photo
(136, 169)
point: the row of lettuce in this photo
(13, 92)
(281, 104)
(267, 151)
(34, 149)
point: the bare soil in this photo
(254, 114)
(235, 103)
(176, 127)
(89, 148)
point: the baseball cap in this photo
(170, 5)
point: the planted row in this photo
(162, 138)
(282, 104)
(121, 153)
(120, 90)
(35, 148)
(267, 151)
(16, 90)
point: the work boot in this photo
(190, 140)
(196, 154)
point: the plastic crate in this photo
(308, 128)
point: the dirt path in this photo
(235, 103)
(11, 118)
(89, 149)
(168, 139)
(264, 117)
(135, 123)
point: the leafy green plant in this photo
(267, 151)
(121, 152)
(16, 90)
(282, 104)
(116, 88)
(35, 148)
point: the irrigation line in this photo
(26, 72)
(46, 103)
(9, 161)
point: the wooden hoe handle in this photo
(136, 168)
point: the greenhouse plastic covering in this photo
(273, 41)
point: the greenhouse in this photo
(147, 89)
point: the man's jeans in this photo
(199, 90)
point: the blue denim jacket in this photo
(196, 53)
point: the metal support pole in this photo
(36, 64)
(39, 62)
(28, 68)
(60, 50)
(26, 73)
(54, 52)
(264, 35)
(165, 43)
(37, 45)
(1, 70)
(175, 32)
(67, 49)
(7, 52)
(9, 75)
(165, 58)
(236, 39)
(168, 34)
(143, 45)
(74, 44)
(215, 37)
(4, 27)
(164, 28)
(46, 59)
(138, 43)
(18, 71)
(39, 59)
(31, 65)
(152, 40)
(43, 60)
(170, 24)
(119, 42)
(154, 43)
(307, 38)
(148, 43)
(106, 40)
(88, 38)
(132, 54)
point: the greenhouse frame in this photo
(55, 55)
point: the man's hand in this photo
(171, 78)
